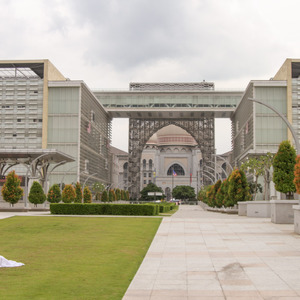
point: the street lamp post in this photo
(285, 121)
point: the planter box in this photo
(296, 218)
(242, 208)
(258, 209)
(282, 211)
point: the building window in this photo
(150, 164)
(150, 174)
(177, 169)
(145, 174)
(86, 165)
(144, 164)
(145, 181)
(92, 116)
(150, 181)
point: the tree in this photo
(238, 189)
(259, 166)
(54, 194)
(253, 166)
(184, 192)
(11, 190)
(222, 194)
(104, 197)
(87, 195)
(68, 194)
(78, 192)
(151, 187)
(284, 163)
(122, 195)
(212, 192)
(118, 194)
(202, 194)
(127, 195)
(98, 189)
(267, 162)
(36, 194)
(111, 195)
(297, 174)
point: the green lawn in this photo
(72, 257)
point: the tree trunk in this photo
(255, 189)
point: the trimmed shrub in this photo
(165, 207)
(103, 209)
(284, 164)
(202, 194)
(68, 194)
(54, 194)
(238, 189)
(11, 190)
(111, 196)
(87, 195)
(297, 174)
(222, 194)
(78, 192)
(104, 197)
(36, 194)
(118, 194)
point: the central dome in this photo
(172, 135)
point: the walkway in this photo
(204, 255)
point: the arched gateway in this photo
(140, 131)
(152, 106)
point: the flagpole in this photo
(172, 181)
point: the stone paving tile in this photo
(203, 255)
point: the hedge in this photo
(103, 209)
(166, 207)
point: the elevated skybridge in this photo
(152, 106)
(179, 103)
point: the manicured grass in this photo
(72, 257)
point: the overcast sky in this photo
(109, 43)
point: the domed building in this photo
(171, 157)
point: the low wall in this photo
(258, 209)
(282, 211)
(296, 209)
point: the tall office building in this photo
(41, 109)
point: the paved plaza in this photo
(204, 255)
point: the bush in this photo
(202, 194)
(11, 190)
(118, 194)
(54, 194)
(78, 192)
(103, 209)
(87, 195)
(165, 207)
(111, 196)
(238, 189)
(297, 174)
(104, 197)
(68, 194)
(36, 194)
(284, 164)
(222, 194)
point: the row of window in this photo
(150, 164)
